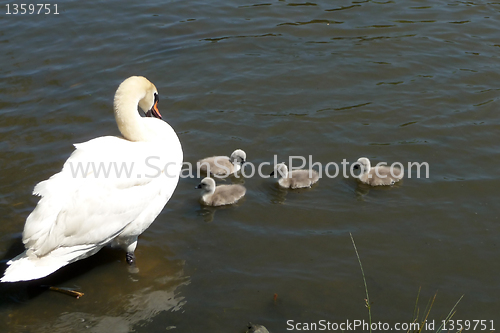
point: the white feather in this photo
(83, 208)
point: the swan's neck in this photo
(207, 194)
(130, 123)
(367, 169)
(283, 172)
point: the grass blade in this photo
(367, 299)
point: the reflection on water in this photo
(362, 190)
(132, 309)
(138, 307)
(278, 194)
(107, 306)
(208, 213)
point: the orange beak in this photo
(154, 112)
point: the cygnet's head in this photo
(364, 164)
(148, 94)
(253, 328)
(238, 156)
(281, 170)
(207, 185)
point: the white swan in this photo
(109, 191)
(223, 165)
(379, 175)
(295, 178)
(221, 195)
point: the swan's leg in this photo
(130, 253)
(130, 257)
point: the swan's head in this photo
(149, 103)
(281, 170)
(238, 156)
(207, 185)
(364, 164)
(142, 88)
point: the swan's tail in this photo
(24, 268)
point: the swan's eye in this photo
(157, 98)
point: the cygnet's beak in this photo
(356, 167)
(243, 162)
(154, 112)
(199, 186)
(271, 174)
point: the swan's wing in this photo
(227, 194)
(92, 206)
(385, 176)
(303, 178)
(219, 165)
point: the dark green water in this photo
(405, 81)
